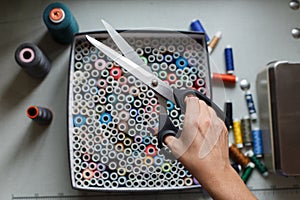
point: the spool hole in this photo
(32, 112)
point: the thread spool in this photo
(237, 132)
(245, 86)
(197, 26)
(228, 112)
(40, 115)
(32, 60)
(258, 164)
(226, 78)
(257, 142)
(246, 131)
(247, 172)
(229, 60)
(60, 22)
(181, 63)
(213, 42)
(237, 156)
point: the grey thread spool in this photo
(246, 131)
(32, 60)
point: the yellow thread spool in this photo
(237, 132)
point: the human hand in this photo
(203, 143)
(203, 149)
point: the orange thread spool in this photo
(226, 78)
(237, 156)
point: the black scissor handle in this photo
(180, 95)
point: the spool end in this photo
(32, 112)
(57, 15)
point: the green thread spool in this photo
(258, 164)
(247, 172)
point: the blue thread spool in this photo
(181, 63)
(229, 60)
(32, 60)
(245, 86)
(105, 118)
(79, 120)
(257, 142)
(60, 22)
(197, 26)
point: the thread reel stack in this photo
(113, 114)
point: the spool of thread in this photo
(258, 164)
(247, 172)
(257, 143)
(213, 42)
(245, 86)
(40, 115)
(229, 60)
(226, 78)
(228, 112)
(236, 167)
(246, 131)
(237, 132)
(237, 156)
(32, 60)
(197, 26)
(60, 22)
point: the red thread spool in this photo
(226, 78)
(115, 72)
(151, 150)
(171, 78)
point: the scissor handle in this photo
(180, 95)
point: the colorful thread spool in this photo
(237, 132)
(237, 156)
(226, 78)
(229, 60)
(197, 26)
(32, 60)
(41, 115)
(257, 142)
(247, 172)
(60, 22)
(246, 131)
(245, 86)
(213, 42)
(228, 112)
(258, 164)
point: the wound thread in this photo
(237, 132)
(237, 156)
(60, 22)
(246, 131)
(32, 60)
(41, 115)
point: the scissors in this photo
(138, 68)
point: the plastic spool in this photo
(60, 22)
(32, 60)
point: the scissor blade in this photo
(146, 77)
(125, 48)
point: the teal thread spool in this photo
(60, 22)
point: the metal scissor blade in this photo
(146, 77)
(125, 48)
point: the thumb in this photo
(173, 143)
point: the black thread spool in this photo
(41, 115)
(228, 112)
(32, 60)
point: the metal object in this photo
(278, 98)
(295, 33)
(294, 4)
